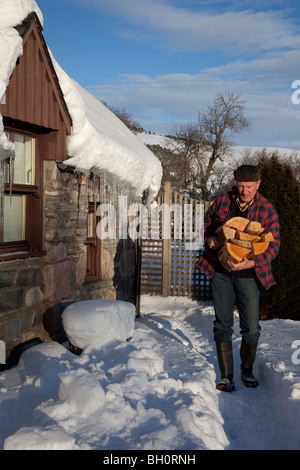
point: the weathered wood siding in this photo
(34, 96)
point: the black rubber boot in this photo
(225, 360)
(248, 355)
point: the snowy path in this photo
(253, 418)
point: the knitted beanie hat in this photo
(247, 173)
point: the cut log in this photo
(233, 253)
(259, 248)
(241, 239)
(267, 237)
(244, 243)
(239, 223)
(254, 228)
(247, 236)
(225, 256)
(224, 233)
(238, 252)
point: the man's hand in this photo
(245, 264)
(213, 243)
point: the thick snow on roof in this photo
(99, 141)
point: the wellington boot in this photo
(225, 360)
(226, 385)
(248, 355)
(248, 378)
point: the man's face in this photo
(247, 190)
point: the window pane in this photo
(23, 166)
(91, 225)
(14, 218)
(7, 165)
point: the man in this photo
(242, 284)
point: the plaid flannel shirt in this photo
(260, 211)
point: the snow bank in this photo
(82, 391)
(154, 392)
(36, 438)
(279, 365)
(99, 141)
(119, 397)
(96, 323)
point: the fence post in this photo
(166, 246)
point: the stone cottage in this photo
(63, 156)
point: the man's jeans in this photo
(225, 289)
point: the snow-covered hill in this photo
(155, 391)
(155, 139)
(222, 172)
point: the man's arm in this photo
(273, 249)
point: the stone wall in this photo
(34, 292)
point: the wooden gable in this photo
(34, 96)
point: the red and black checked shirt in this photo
(260, 211)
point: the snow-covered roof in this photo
(99, 141)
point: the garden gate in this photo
(171, 244)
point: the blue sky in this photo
(164, 60)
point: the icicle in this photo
(104, 188)
(86, 193)
(95, 196)
(99, 189)
(78, 196)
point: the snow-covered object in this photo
(99, 141)
(97, 323)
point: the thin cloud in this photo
(158, 103)
(258, 43)
(192, 29)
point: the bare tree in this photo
(217, 125)
(202, 150)
(183, 146)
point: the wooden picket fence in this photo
(170, 246)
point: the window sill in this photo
(90, 279)
(17, 255)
